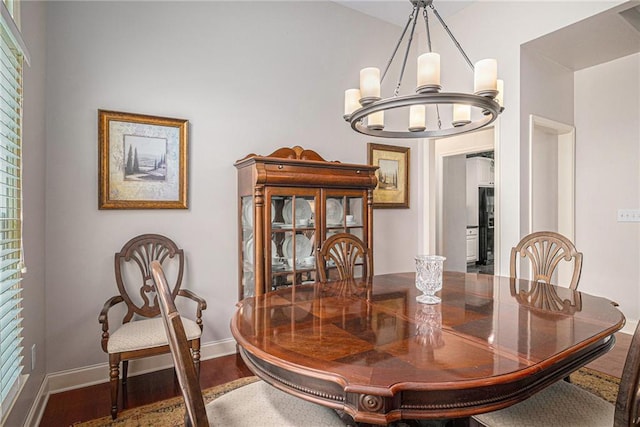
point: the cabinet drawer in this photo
(472, 231)
(295, 175)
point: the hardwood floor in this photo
(67, 408)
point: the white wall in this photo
(545, 182)
(607, 117)
(548, 93)
(454, 201)
(249, 78)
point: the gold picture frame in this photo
(392, 190)
(142, 161)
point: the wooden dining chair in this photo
(565, 404)
(545, 250)
(255, 404)
(347, 254)
(140, 333)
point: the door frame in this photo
(566, 138)
(443, 147)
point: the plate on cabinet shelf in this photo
(304, 247)
(247, 212)
(303, 210)
(334, 212)
(248, 251)
(355, 209)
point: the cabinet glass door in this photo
(293, 243)
(344, 213)
(248, 252)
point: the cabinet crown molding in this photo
(293, 153)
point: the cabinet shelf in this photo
(277, 191)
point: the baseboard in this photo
(629, 327)
(95, 374)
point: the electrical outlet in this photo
(628, 215)
(33, 357)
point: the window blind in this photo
(11, 264)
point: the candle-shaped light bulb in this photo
(461, 115)
(485, 77)
(351, 102)
(417, 118)
(428, 73)
(375, 120)
(369, 85)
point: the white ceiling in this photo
(601, 38)
(397, 11)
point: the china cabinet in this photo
(289, 202)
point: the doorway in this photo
(450, 223)
(552, 182)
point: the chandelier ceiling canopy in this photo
(364, 109)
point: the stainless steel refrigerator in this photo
(485, 225)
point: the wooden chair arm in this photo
(201, 303)
(103, 318)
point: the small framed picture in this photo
(142, 161)
(392, 190)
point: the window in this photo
(12, 56)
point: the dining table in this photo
(368, 349)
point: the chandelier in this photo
(364, 109)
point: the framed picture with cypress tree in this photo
(142, 161)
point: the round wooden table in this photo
(369, 349)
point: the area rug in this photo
(166, 413)
(602, 385)
(170, 412)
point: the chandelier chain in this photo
(393, 55)
(406, 53)
(455, 42)
(426, 23)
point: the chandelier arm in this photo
(393, 55)
(426, 24)
(406, 53)
(444, 25)
(438, 114)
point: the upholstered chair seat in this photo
(267, 406)
(147, 333)
(562, 404)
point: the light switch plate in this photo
(628, 215)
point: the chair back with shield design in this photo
(346, 254)
(133, 272)
(545, 250)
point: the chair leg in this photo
(114, 374)
(195, 353)
(125, 371)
